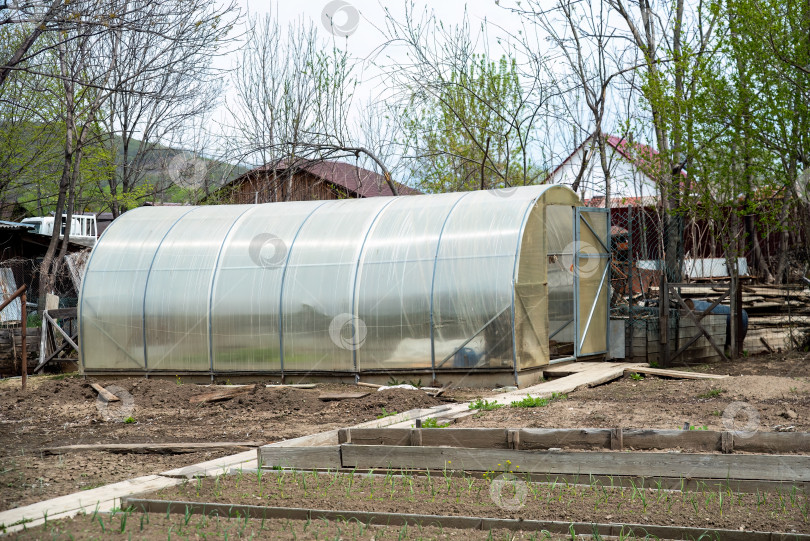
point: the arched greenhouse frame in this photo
(488, 285)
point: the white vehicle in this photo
(83, 228)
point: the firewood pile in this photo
(778, 316)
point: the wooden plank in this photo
(604, 372)
(293, 386)
(713, 466)
(695, 440)
(492, 438)
(772, 442)
(586, 438)
(150, 448)
(573, 438)
(105, 394)
(60, 330)
(380, 436)
(215, 466)
(230, 391)
(333, 397)
(678, 374)
(305, 458)
(62, 313)
(560, 370)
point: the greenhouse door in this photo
(591, 279)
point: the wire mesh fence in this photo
(777, 316)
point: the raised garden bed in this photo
(503, 495)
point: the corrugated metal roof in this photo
(14, 226)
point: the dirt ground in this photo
(66, 411)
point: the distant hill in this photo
(165, 164)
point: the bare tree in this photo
(149, 114)
(294, 93)
(468, 116)
(586, 43)
(85, 57)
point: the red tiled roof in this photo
(643, 156)
(356, 180)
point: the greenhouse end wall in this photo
(423, 284)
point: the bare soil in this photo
(772, 403)
(55, 412)
(503, 495)
(160, 528)
(66, 411)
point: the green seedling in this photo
(636, 377)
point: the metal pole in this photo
(24, 364)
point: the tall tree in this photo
(468, 117)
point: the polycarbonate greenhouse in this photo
(492, 284)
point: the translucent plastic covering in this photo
(454, 281)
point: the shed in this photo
(487, 285)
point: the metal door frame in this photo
(579, 212)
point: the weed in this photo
(713, 393)
(431, 422)
(130, 420)
(384, 414)
(636, 377)
(537, 402)
(531, 402)
(484, 405)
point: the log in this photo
(222, 394)
(677, 374)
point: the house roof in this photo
(642, 156)
(356, 180)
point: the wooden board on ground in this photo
(231, 391)
(151, 448)
(332, 397)
(560, 370)
(711, 466)
(294, 386)
(104, 393)
(595, 375)
(677, 374)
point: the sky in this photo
(358, 26)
